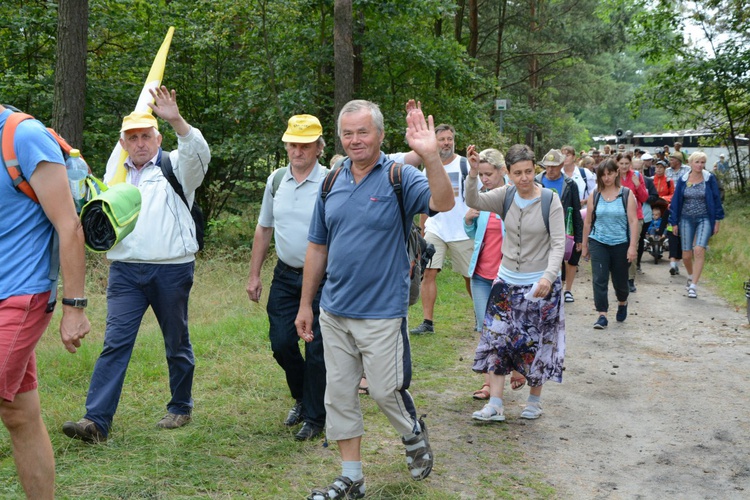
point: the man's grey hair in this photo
(517, 153)
(156, 133)
(358, 105)
(321, 146)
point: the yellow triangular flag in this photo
(116, 171)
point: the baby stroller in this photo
(656, 245)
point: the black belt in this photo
(287, 267)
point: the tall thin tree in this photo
(70, 70)
(343, 58)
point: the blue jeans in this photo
(480, 293)
(695, 232)
(132, 289)
(306, 377)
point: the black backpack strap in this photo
(597, 195)
(546, 206)
(464, 172)
(165, 163)
(395, 178)
(276, 182)
(330, 180)
(508, 201)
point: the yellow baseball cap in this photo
(302, 129)
(139, 119)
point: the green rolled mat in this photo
(110, 215)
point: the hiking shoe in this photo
(308, 431)
(601, 323)
(173, 421)
(295, 415)
(692, 292)
(341, 487)
(674, 271)
(569, 296)
(532, 411)
(419, 457)
(622, 313)
(422, 329)
(85, 430)
(490, 413)
(631, 286)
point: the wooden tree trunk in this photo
(438, 34)
(343, 59)
(500, 30)
(459, 20)
(473, 28)
(70, 70)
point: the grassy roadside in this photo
(728, 258)
(237, 446)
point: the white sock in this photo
(352, 470)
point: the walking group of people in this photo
(341, 281)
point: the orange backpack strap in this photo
(9, 154)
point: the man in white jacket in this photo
(153, 266)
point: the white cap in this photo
(646, 156)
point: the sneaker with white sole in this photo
(532, 411)
(692, 292)
(601, 323)
(422, 329)
(490, 413)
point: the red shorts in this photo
(23, 319)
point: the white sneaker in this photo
(692, 292)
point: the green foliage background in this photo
(242, 68)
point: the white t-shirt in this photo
(449, 226)
(585, 186)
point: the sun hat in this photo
(302, 129)
(139, 119)
(553, 158)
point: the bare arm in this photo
(50, 183)
(587, 227)
(261, 243)
(412, 158)
(633, 225)
(316, 260)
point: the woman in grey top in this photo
(524, 325)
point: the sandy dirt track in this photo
(656, 407)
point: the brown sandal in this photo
(517, 383)
(482, 393)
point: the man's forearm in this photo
(316, 260)
(440, 184)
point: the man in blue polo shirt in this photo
(285, 214)
(357, 237)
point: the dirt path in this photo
(657, 407)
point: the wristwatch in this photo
(78, 302)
